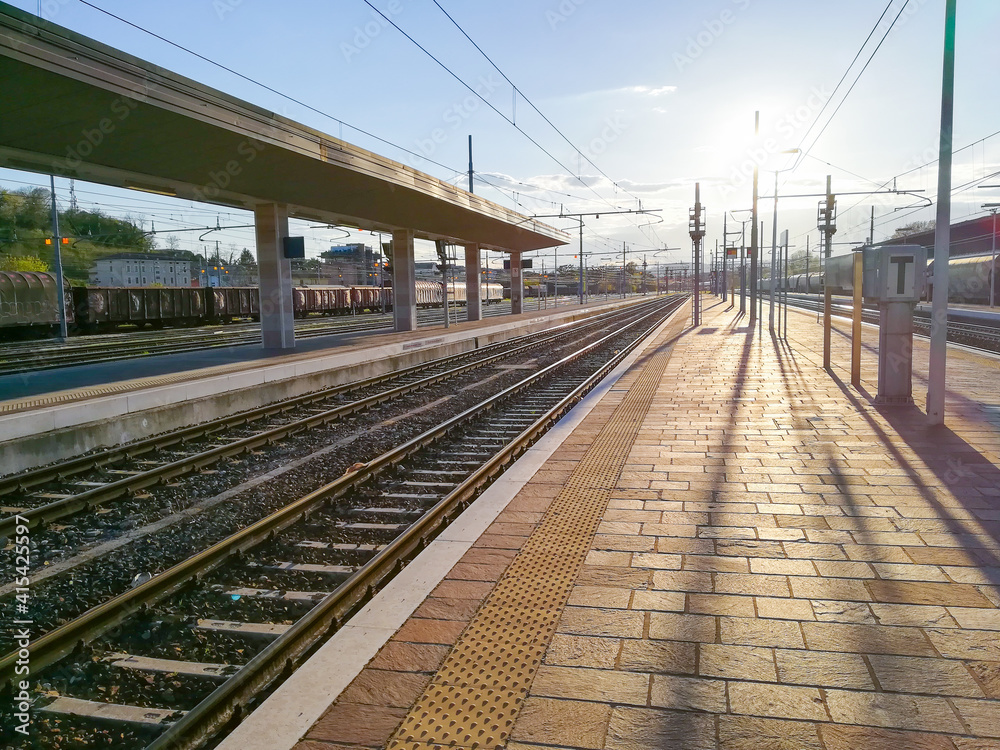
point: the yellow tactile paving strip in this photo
(474, 699)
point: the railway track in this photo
(50, 493)
(117, 499)
(174, 658)
(982, 337)
(17, 358)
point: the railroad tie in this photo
(476, 696)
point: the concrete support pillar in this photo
(516, 285)
(473, 289)
(404, 288)
(277, 317)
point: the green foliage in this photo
(96, 227)
(26, 222)
(22, 263)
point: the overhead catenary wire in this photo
(857, 78)
(530, 103)
(485, 101)
(475, 93)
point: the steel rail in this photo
(23, 481)
(116, 490)
(63, 640)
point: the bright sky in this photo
(659, 94)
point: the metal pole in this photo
(697, 231)
(743, 268)
(993, 261)
(760, 297)
(725, 258)
(774, 255)
(753, 234)
(942, 230)
(856, 320)
(827, 296)
(555, 301)
(785, 290)
(470, 164)
(715, 269)
(581, 259)
(57, 242)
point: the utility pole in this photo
(697, 231)
(942, 230)
(644, 274)
(827, 224)
(753, 233)
(57, 243)
(871, 228)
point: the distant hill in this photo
(26, 222)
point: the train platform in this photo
(49, 415)
(725, 546)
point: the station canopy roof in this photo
(78, 108)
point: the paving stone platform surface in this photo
(780, 564)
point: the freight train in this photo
(969, 279)
(29, 305)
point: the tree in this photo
(915, 227)
(247, 259)
(173, 244)
(22, 263)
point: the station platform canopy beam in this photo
(75, 107)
